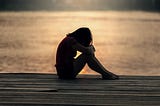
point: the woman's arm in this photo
(83, 49)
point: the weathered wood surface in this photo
(46, 89)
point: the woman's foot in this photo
(112, 77)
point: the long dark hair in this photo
(82, 35)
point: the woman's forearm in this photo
(83, 49)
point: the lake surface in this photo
(127, 43)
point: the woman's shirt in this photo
(65, 53)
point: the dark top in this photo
(65, 56)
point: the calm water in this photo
(127, 43)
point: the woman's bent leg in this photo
(79, 64)
(95, 65)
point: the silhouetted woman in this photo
(68, 66)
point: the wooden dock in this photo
(88, 90)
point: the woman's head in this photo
(82, 35)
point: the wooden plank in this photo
(78, 99)
(47, 89)
(75, 100)
(53, 76)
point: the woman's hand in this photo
(87, 50)
(91, 49)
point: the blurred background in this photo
(126, 34)
(73, 5)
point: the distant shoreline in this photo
(158, 11)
